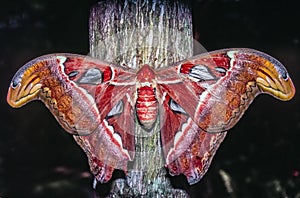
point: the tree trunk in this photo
(133, 33)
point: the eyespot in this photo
(176, 107)
(201, 73)
(284, 75)
(15, 82)
(73, 74)
(221, 70)
(92, 76)
(116, 110)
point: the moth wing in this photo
(217, 87)
(84, 95)
(209, 93)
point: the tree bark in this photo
(133, 33)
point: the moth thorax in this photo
(146, 106)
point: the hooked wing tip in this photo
(272, 77)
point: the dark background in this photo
(260, 154)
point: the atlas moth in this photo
(195, 102)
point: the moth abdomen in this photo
(146, 106)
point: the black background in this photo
(260, 154)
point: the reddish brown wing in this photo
(88, 98)
(112, 144)
(210, 93)
(188, 148)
